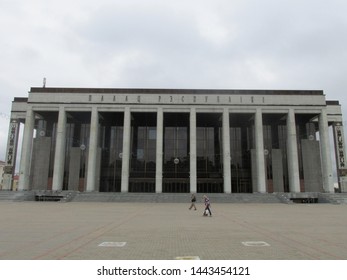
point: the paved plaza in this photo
(166, 231)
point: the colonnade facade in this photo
(142, 140)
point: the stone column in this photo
(159, 151)
(192, 151)
(259, 149)
(11, 154)
(59, 157)
(24, 170)
(226, 152)
(126, 150)
(292, 153)
(327, 171)
(92, 150)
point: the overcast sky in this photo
(217, 44)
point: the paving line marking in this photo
(255, 243)
(112, 244)
(187, 258)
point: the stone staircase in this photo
(68, 196)
(17, 196)
(6, 195)
(71, 196)
(174, 197)
(284, 197)
(334, 198)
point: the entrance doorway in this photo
(176, 153)
(209, 153)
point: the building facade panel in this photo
(162, 140)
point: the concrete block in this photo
(277, 170)
(312, 165)
(40, 163)
(74, 168)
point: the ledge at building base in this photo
(67, 196)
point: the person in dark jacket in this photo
(193, 200)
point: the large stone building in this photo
(176, 140)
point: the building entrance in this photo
(111, 135)
(143, 152)
(176, 153)
(241, 143)
(209, 153)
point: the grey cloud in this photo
(277, 44)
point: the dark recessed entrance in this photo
(143, 152)
(176, 153)
(209, 153)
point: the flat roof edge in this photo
(20, 99)
(173, 91)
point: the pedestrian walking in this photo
(193, 200)
(207, 206)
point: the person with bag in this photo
(207, 206)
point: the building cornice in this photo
(173, 91)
